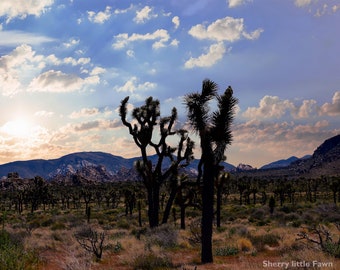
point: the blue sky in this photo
(65, 65)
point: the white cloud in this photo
(99, 17)
(130, 53)
(226, 29)
(332, 109)
(236, 3)
(21, 9)
(302, 3)
(43, 113)
(55, 82)
(307, 109)
(277, 140)
(122, 11)
(214, 54)
(317, 7)
(176, 21)
(97, 71)
(144, 15)
(85, 112)
(71, 43)
(14, 38)
(22, 69)
(174, 43)
(269, 107)
(132, 85)
(161, 36)
(20, 61)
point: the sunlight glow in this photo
(19, 128)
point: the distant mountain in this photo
(87, 166)
(325, 161)
(99, 166)
(244, 167)
(66, 165)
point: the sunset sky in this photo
(65, 65)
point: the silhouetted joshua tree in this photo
(215, 134)
(146, 118)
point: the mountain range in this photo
(100, 166)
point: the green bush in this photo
(226, 251)
(14, 256)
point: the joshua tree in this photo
(154, 175)
(215, 134)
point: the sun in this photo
(18, 128)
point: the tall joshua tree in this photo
(215, 134)
(147, 117)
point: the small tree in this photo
(214, 130)
(146, 118)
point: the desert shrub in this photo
(58, 226)
(139, 232)
(46, 222)
(242, 230)
(226, 251)
(195, 232)
(14, 256)
(57, 236)
(244, 244)
(258, 214)
(123, 224)
(164, 236)
(150, 261)
(260, 241)
(91, 240)
(309, 218)
(116, 248)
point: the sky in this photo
(65, 66)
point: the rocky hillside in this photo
(325, 161)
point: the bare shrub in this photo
(322, 237)
(91, 240)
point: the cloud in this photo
(176, 21)
(274, 107)
(302, 3)
(72, 42)
(227, 29)
(43, 113)
(24, 70)
(160, 36)
(307, 109)
(55, 82)
(269, 107)
(21, 60)
(122, 11)
(277, 140)
(21, 9)
(14, 38)
(236, 3)
(144, 15)
(214, 54)
(130, 53)
(85, 112)
(100, 124)
(132, 85)
(317, 7)
(99, 17)
(331, 109)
